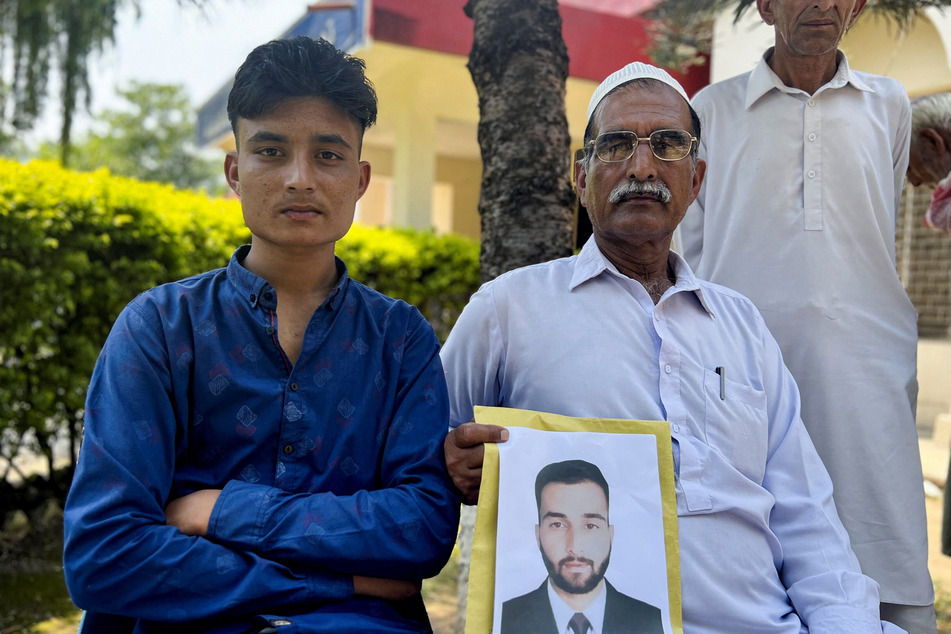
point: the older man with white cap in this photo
(625, 330)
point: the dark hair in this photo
(301, 67)
(569, 472)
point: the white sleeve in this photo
(472, 357)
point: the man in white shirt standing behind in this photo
(806, 160)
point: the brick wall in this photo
(924, 264)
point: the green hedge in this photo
(76, 247)
(435, 273)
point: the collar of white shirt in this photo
(763, 79)
(563, 613)
(590, 263)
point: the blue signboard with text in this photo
(343, 22)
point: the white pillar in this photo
(414, 160)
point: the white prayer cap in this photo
(634, 70)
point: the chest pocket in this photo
(736, 425)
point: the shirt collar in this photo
(258, 291)
(563, 612)
(591, 263)
(763, 79)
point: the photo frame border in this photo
(481, 592)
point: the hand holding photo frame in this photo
(576, 525)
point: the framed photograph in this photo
(576, 528)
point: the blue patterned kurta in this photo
(330, 467)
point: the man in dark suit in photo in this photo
(574, 537)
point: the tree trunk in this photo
(44, 442)
(519, 65)
(75, 441)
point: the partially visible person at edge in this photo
(625, 330)
(930, 165)
(807, 161)
(930, 157)
(263, 442)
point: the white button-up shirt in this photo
(761, 546)
(797, 212)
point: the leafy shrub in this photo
(74, 249)
(435, 273)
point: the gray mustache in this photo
(657, 189)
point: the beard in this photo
(576, 583)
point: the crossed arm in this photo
(191, 513)
(464, 449)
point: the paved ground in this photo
(934, 464)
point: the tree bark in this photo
(519, 65)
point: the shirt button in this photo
(667, 369)
(812, 137)
(270, 330)
(269, 295)
(675, 427)
(811, 102)
(293, 387)
(288, 449)
(811, 173)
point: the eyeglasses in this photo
(667, 145)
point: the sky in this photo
(171, 44)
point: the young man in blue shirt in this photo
(263, 442)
